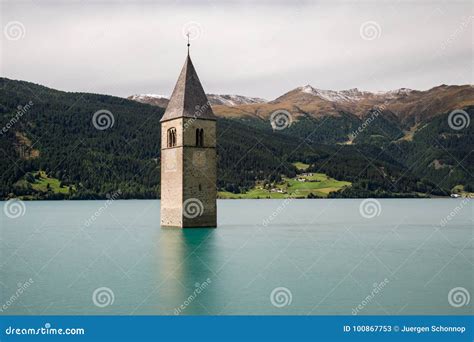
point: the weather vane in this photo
(187, 34)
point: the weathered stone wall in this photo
(200, 174)
(172, 176)
(188, 192)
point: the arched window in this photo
(199, 137)
(171, 137)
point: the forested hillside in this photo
(53, 132)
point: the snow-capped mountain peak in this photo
(334, 95)
(138, 97)
(233, 100)
(152, 99)
(214, 99)
(351, 95)
(395, 92)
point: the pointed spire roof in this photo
(188, 99)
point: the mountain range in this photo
(214, 100)
(409, 106)
(400, 143)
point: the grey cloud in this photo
(251, 48)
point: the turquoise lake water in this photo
(266, 257)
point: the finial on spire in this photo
(187, 34)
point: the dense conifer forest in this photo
(52, 131)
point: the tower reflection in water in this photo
(187, 260)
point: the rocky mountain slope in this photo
(214, 99)
(152, 99)
(407, 106)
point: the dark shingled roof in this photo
(188, 99)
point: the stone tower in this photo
(188, 155)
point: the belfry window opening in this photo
(171, 138)
(199, 137)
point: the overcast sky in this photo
(261, 49)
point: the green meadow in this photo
(301, 186)
(40, 182)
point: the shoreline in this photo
(241, 199)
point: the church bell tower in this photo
(188, 155)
